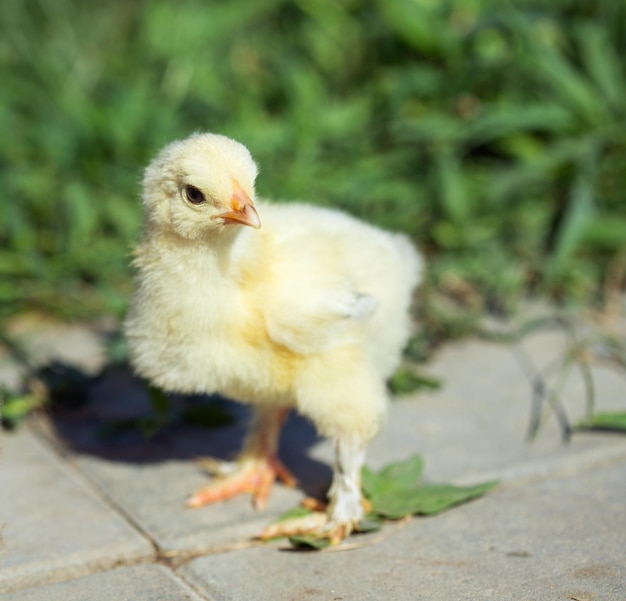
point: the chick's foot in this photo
(253, 476)
(315, 525)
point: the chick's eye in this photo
(194, 196)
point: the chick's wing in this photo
(325, 320)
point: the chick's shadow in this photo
(115, 420)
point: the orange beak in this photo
(242, 209)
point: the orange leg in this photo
(257, 468)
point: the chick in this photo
(309, 312)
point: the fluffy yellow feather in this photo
(277, 305)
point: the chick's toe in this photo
(317, 525)
(253, 476)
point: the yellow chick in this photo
(308, 312)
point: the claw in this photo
(305, 525)
(252, 476)
(317, 524)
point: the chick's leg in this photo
(347, 401)
(346, 503)
(256, 469)
(346, 506)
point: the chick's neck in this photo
(213, 251)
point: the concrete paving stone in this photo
(133, 583)
(54, 526)
(153, 494)
(474, 429)
(557, 539)
(151, 477)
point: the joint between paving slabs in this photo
(170, 559)
(46, 438)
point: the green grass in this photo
(494, 133)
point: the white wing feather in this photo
(326, 321)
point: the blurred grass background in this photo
(492, 132)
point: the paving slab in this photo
(471, 430)
(153, 496)
(149, 478)
(557, 539)
(135, 583)
(475, 427)
(54, 526)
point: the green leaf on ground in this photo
(15, 408)
(370, 523)
(400, 475)
(613, 422)
(425, 499)
(405, 381)
(309, 542)
(395, 492)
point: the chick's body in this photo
(309, 312)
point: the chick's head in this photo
(201, 186)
